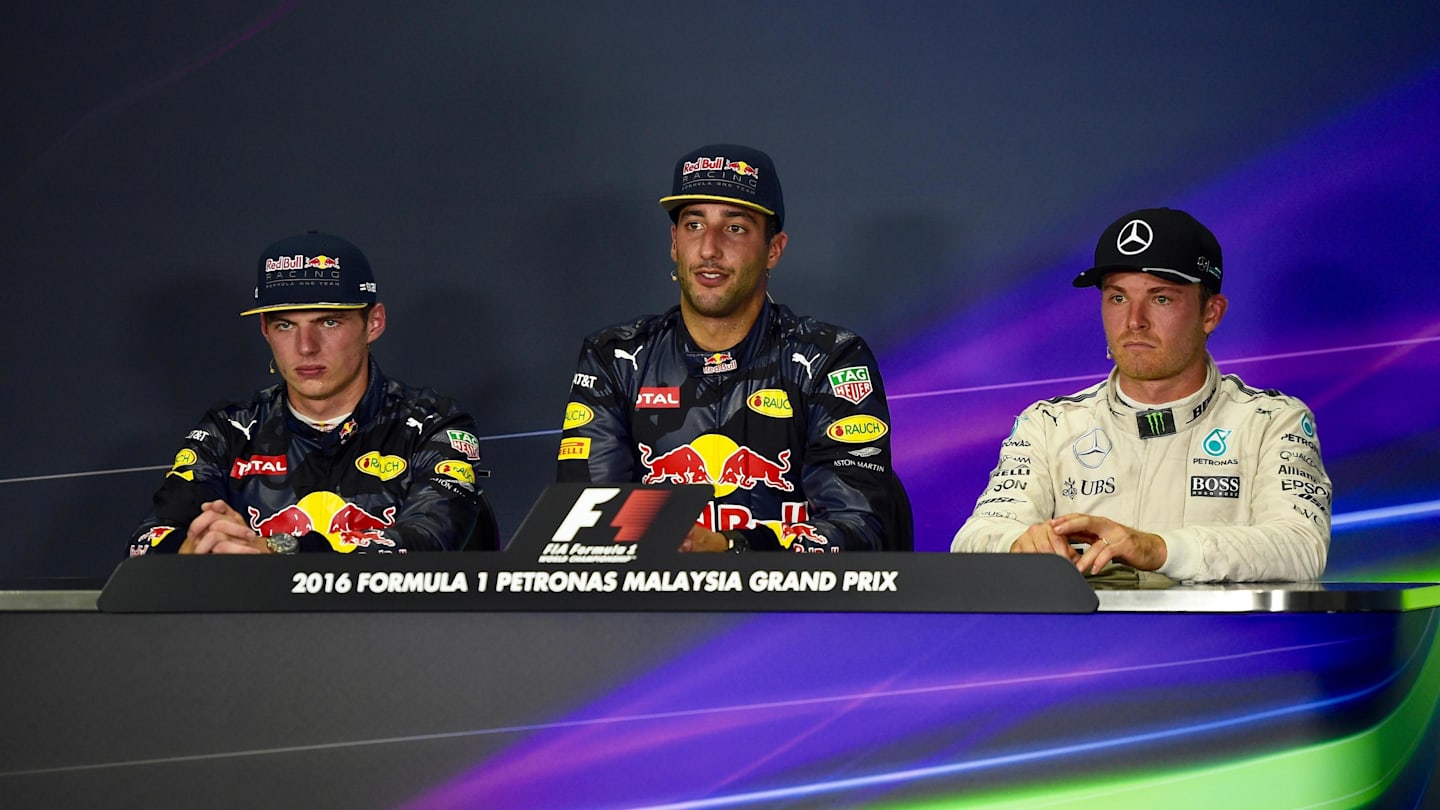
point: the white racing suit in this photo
(1230, 477)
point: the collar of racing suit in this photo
(365, 412)
(1186, 412)
(741, 354)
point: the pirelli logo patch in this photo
(577, 448)
(1214, 486)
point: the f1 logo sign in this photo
(583, 513)
(630, 522)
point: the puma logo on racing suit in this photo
(621, 354)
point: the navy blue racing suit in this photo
(790, 427)
(398, 475)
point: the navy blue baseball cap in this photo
(312, 271)
(727, 172)
(1163, 242)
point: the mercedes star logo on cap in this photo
(1134, 238)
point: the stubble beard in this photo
(707, 302)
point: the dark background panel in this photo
(947, 169)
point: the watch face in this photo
(282, 543)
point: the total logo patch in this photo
(259, 465)
(658, 397)
(857, 429)
(382, 467)
(574, 449)
(852, 384)
(770, 402)
(577, 414)
(184, 458)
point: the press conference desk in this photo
(1254, 696)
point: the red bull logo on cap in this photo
(704, 164)
(742, 168)
(719, 163)
(300, 262)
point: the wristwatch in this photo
(282, 543)
(735, 542)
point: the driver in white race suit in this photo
(1167, 465)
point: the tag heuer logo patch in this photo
(852, 384)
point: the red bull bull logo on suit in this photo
(346, 525)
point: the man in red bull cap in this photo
(335, 456)
(785, 416)
(1166, 466)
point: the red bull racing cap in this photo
(312, 271)
(727, 172)
(1163, 242)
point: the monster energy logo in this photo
(1155, 423)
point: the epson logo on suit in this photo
(1214, 486)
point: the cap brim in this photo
(671, 203)
(293, 307)
(1094, 276)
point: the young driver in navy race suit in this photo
(336, 457)
(783, 415)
